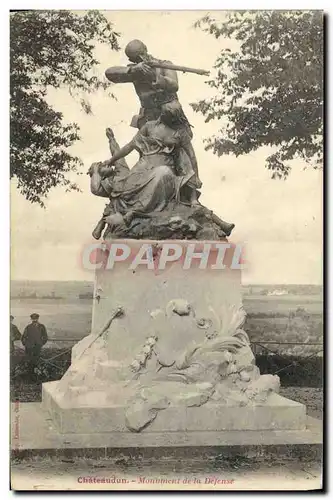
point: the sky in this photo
(278, 222)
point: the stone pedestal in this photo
(177, 359)
(278, 413)
(142, 290)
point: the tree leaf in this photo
(269, 88)
(50, 48)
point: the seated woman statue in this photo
(167, 170)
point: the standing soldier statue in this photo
(155, 81)
(167, 170)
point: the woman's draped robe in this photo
(157, 178)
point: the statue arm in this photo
(167, 80)
(121, 153)
(119, 74)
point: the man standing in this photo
(33, 339)
(154, 86)
(14, 334)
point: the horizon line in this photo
(92, 281)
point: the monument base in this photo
(277, 413)
(168, 354)
(39, 438)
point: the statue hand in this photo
(143, 69)
(114, 219)
(106, 163)
(106, 169)
(109, 133)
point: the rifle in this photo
(183, 69)
(119, 311)
(165, 65)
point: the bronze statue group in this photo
(167, 168)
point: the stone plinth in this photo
(177, 359)
(141, 291)
(278, 413)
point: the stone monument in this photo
(168, 358)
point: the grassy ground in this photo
(311, 397)
(303, 328)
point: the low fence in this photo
(253, 343)
(258, 347)
(293, 370)
(261, 347)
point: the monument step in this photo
(277, 413)
(39, 437)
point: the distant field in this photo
(283, 304)
(63, 319)
(271, 318)
(268, 319)
(65, 289)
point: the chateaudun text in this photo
(211, 480)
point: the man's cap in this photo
(34, 316)
(12, 317)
